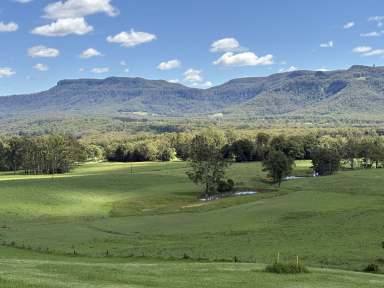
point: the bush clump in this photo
(225, 186)
(286, 268)
(372, 268)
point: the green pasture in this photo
(21, 269)
(147, 216)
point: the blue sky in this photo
(197, 43)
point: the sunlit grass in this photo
(153, 210)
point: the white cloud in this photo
(64, 27)
(168, 65)
(175, 81)
(376, 52)
(349, 25)
(370, 34)
(328, 44)
(23, 1)
(194, 78)
(225, 45)
(289, 69)
(41, 67)
(6, 72)
(368, 51)
(89, 53)
(100, 70)
(362, 49)
(78, 8)
(243, 59)
(207, 84)
(322, 69)
(123, 63)
(42, 51)
(8, 27)
(132, 38)
(378, 19)
(126, 70)
(193, 75)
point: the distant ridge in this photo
(355, 93)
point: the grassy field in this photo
(145, 216)
(29, 270)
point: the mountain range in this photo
(354, 93)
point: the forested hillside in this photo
(353, 94)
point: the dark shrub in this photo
(286, 268)
(225, 186)
(231, 183)
(186, 256)
(372, 268)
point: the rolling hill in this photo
(103, 226)
(355, 93)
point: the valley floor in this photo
(146, 217)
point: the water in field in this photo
(239, 193)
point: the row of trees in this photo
(327, 154)
(141, 150)
(210, 154)
(367, 147)
(42, 155)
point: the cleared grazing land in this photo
(127, 225)
(29, 270)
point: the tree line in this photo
(328, 151)
(211, 152)
(359, 149)
(48, 154)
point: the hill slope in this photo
(154, 211)
(356, 93)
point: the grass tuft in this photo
(286, 268)
(372, 268)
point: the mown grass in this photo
(42, 271)
(152, 210)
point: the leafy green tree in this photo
(372, 151)
(262, 139)
(261, 148)
(278, 165)
(14, 153)
(206, 161)
(242, 150)
(291, 147)
(3, 155)
(351, 150)
(181, 144)
(326, 161)
(93, 152)
(144, 151)
(164, 151)
(120, 153)
(309, 142)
